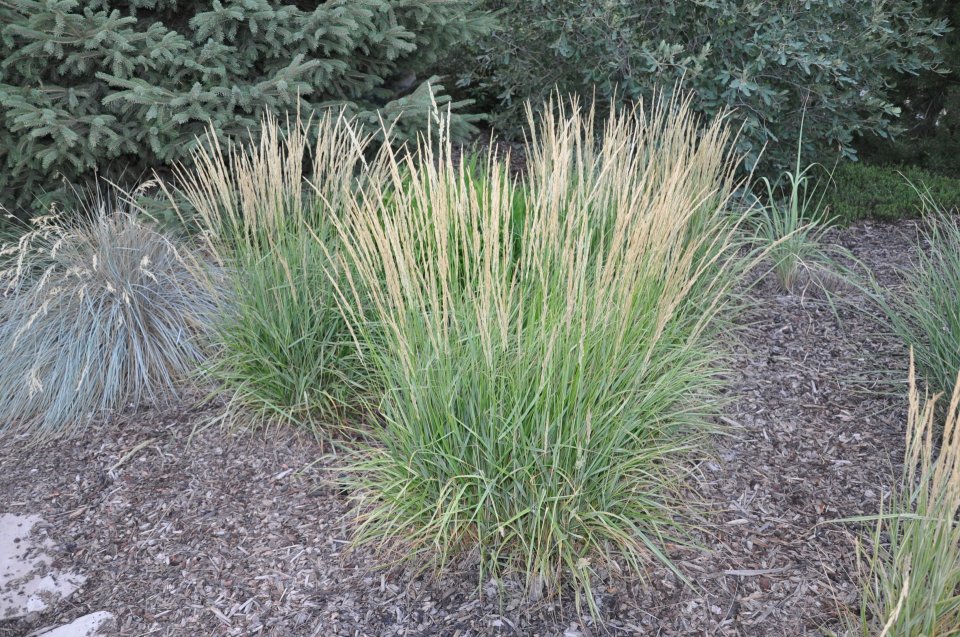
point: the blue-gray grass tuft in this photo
(95, 313)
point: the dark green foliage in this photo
(931, 108)
(771, 61)
(862, 191)
(126, 86)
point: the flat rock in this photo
(28, 582)
(93, 624)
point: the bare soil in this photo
(246, 534)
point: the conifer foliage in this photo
(101, 85)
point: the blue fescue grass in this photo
(97, 311)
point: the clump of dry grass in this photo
(546, 348)
(284, 352)
(911, 563)
(95, 313)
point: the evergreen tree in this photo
(104, 86)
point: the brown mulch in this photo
(240, 534)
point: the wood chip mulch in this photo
(241, 534)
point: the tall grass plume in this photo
(911, 560)
(546, 347)
(284, 351)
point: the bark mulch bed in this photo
(240, 534)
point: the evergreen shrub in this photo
(772, 62)
(121, 87)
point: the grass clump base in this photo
(545, 346)
(96, 312)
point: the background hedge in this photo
(834, 62)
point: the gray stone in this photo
(93, 624)
(28, 583)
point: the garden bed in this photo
(243, 534)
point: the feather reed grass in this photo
(284, 351)
(911, 561)
(791, 228)
(546, 348)
(926, 312)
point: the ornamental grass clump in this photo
(546, 348)
(791, 226)
(97, 312)
(911, 561)
(284, 352)
(926, 312)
